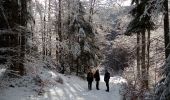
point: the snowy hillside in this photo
(73, 88)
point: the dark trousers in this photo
(107, 85)
(89, 85)
(97, 85)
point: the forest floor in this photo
(73, 88)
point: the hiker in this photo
(106, 79)
(97, 78)
(90, 79)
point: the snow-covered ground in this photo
(74, 88)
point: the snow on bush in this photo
(86, 47)
(76, 50)
(42, 69)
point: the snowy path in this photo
(73, 88)
(76, 89)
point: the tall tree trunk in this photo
(23, 39)
(69, 13)
(143, 66)
(148, 58)
(138, 54)
(69, 35)
(59, 21)
(49, 28)
(148, 50)
(43, 37)
(44, 33)
(166, 29)
(56, 27)
(60, 36)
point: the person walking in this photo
(97, 78)
(90, 79)
(106, 79)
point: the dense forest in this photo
(49, 47)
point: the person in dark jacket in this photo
(106, 79)
(97, 78)
(90, 79)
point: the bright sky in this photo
(127, 3)
(121, 2)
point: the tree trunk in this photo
(60, 36)
(138, 55)
(59, 21)
(146, 75)
(148, 54)
(44, 33)
(69, 35)
(143, 66)
(77, 71)
(166, 29)
(91, 11)
(23, 39)
(69, 13)
(49, 27)
(43, 38)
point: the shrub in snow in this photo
(131, 91)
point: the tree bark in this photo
(60, 37)
(23, 39)
(59, 21)
(143, 66)
(138, 54)
(166, 29)
(44, 33)
(148, 59)
(148, 51)
(43, 37)
(77, 69)
(49, 28)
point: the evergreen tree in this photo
(13, 21)
(84, 49)
(139, 25)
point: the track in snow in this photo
(75, 88)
